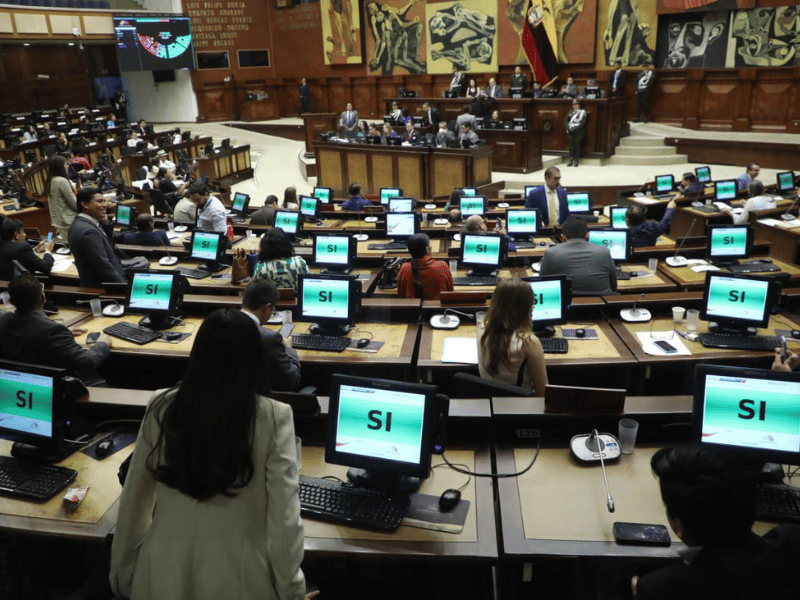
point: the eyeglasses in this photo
(661, 335)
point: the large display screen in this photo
(331, 250)
(728, 242)
(546, 300)
(26, 403)
(325, 298)
(481, 250)
(578, 202)
(736, 298)
(205, 246)
(400, 225)
(615, 241)
(664, 183)
(725, 190)
(154, 43)
(521, 222)
(151, 291)
(288, 221)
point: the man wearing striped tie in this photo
(349, 121)
(549, 200)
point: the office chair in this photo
(159, 202)
(473, 386)
(141, 173)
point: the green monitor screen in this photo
(26, 403)
(240, 202)
(703, 174)
(308, 206)
(472, 205)
(288, 221)
(725, 190)
(579, 202)
(549, 300)
(737, 301)
(617, 242)
(332, 250)
(618, 217)
(728, 242)
(481, 250)
(124, 215)
(521, 223)
(469, 191)
(387, 193)
(327, 299)
(786, 181)
(324, 195)
(664, 184)
(151, 292)
(206, 246)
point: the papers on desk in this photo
(703, 268)
(61, 264)
(794, 223)
(647, 200)
(460, 350)
(649, 346)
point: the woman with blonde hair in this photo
(508, 351)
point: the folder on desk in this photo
(424, 513)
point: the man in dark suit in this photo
(142, 128)
(349, 121)
(282, 364)
(432, 115)
(519, 80)
(146, 236)
(304, 96)
(549, 200)
(411, 136)
(617, 81)
(644, 85)
(13, 247)
(92, 250)
(27, 335)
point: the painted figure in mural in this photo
(457, 18)
(397, 40)
(689, 40)
(343, 36)
(515, 13)
(566, 11)
(759, 44)
(462, 36)
(625, 37)
(479, 50)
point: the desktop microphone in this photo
(786, 216)
(680, 261)
(638, 193)
(444, 321)
(634, 314)
(168, 259)
(597, 447)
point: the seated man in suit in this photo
(589, 266)
(411, 136)
(94, 255)
(467, 138)
(444, 137)
(432, 115)
(645, 232)
(282, 365)
(356, 201)
(266, 214)
(27, 335)
(476, 224)
(710, 505)
(550, 200)
(13, 247)
(690, 187)
(146, 236)
(493, 90)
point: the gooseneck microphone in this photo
(680, 261)
(595, 444)
(445, 321)
(787, 216)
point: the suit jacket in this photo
(33, 338)
(304, 91)
(621, 81)
(442, 138)
(146, 238)
(93, 253)
(580, 122)
(24, 254)
(352, 123)
(519, 81)
(413, 139)
(283, 365)
(538, 199)
(435, 117)
(495, 92)
(263, 216)
(643, 88)
(589, 266)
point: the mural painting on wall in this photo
(628, 31)
(764, 37)
(341, 32)
(396, 43)
(676, 6)
(575, 27)
(693, 41)
(462, 34)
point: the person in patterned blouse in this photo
(277, 262)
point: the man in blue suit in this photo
(549, 200)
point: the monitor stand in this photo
(159, 322)
(336, 271)
(383, 480)
(544, 331)
(44, 455)
(481, 272)
(211, 266)
(715, 327)
(332, 330)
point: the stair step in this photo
(675, 159)
(645, 150)
(641, 140)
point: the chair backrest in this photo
(583, 401)
(473, 386)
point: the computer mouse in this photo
(796, 334)
(579, 333)
(173, 335)
(168, 260)
(104, 448)
(113, 310)
(765, 260)
(449, 500)
(363, 343)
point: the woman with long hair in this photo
(210, 506)
(277, 262)
(508, 351)
(422, 276)
(61, 200)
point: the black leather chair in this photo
(473, 386)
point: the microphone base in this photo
(611, 448)
(786, 217)
(642, 314)
(437, 322)
(677, 261)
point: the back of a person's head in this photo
(258, 293)
(455, 195)
(690, 177)
(510, 312)
(574, 228)
(8, 227)
(355, 189)
(418, 245)
(85, 196)
(707, 491)
(271, 200)
(465, 109)
(275, 244)
(144, 222)
(755, 188)
(473, 224)
(455, 216)
(289, 195)
(198, 187)
(205, 444)
(634, 215)
(25, 292)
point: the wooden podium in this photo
(315, 124)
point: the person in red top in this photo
(423, 276)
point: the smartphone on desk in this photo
(286, 329)
(641, 534)
(92, 337)
(666, 347)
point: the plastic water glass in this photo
(692, 319)
(171, 225)
(628, 428)
(453, 266)
(5, 298)
(480, 316)
(652, 265)
(286, 315)
(677, 313)
(97, 307)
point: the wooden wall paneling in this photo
(691, 99)
(669, 101)
(482, 169)
(338, 97)
(411, 174)
(382, 173)
(385, 89)
(357, 169)
(553, 134)
(214, 102)
(741, 115)
(446, 173)
(768, 107)
(718, 104)
(364, 99)
(331, 170)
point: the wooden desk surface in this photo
(608, 349)
(645, 281)
(687, 279)
(478, 540)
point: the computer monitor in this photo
(551, 299)
(289, 221)
(384, 430)
(336, 254)
(592, 92)
(483, 254)
(35, 410)
(515, 92)
(309, 207)
(751, 413)
(404, 205)
(519, 123)
(703, 174)
(472, 205)
(387, 193)
(157, 295)
(126, 216)
(618, 217)
(579, 202)
(240, 203)
(388, 119)
(186, 136)
(401, 226)
(664, 184)
(418, 121)
(529, 189)
(725, 190)
(330, 302)
(208, 247)
(738, 303)
(727, 243)
(324, 195)
(521, 223)
(467, 191)
(785, 181)
(618, 241)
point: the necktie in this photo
(553, 208)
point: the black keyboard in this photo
(554, 345)
(193, 273)
(389, 246)
(524, 245)
(342, 503)
(132, 333)
(33, 480)
(663, 196)
(776, 502)
(706, 208)
(473, 280)
(623, 275)
(739, 342)
(753, 267)
(330, 343)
